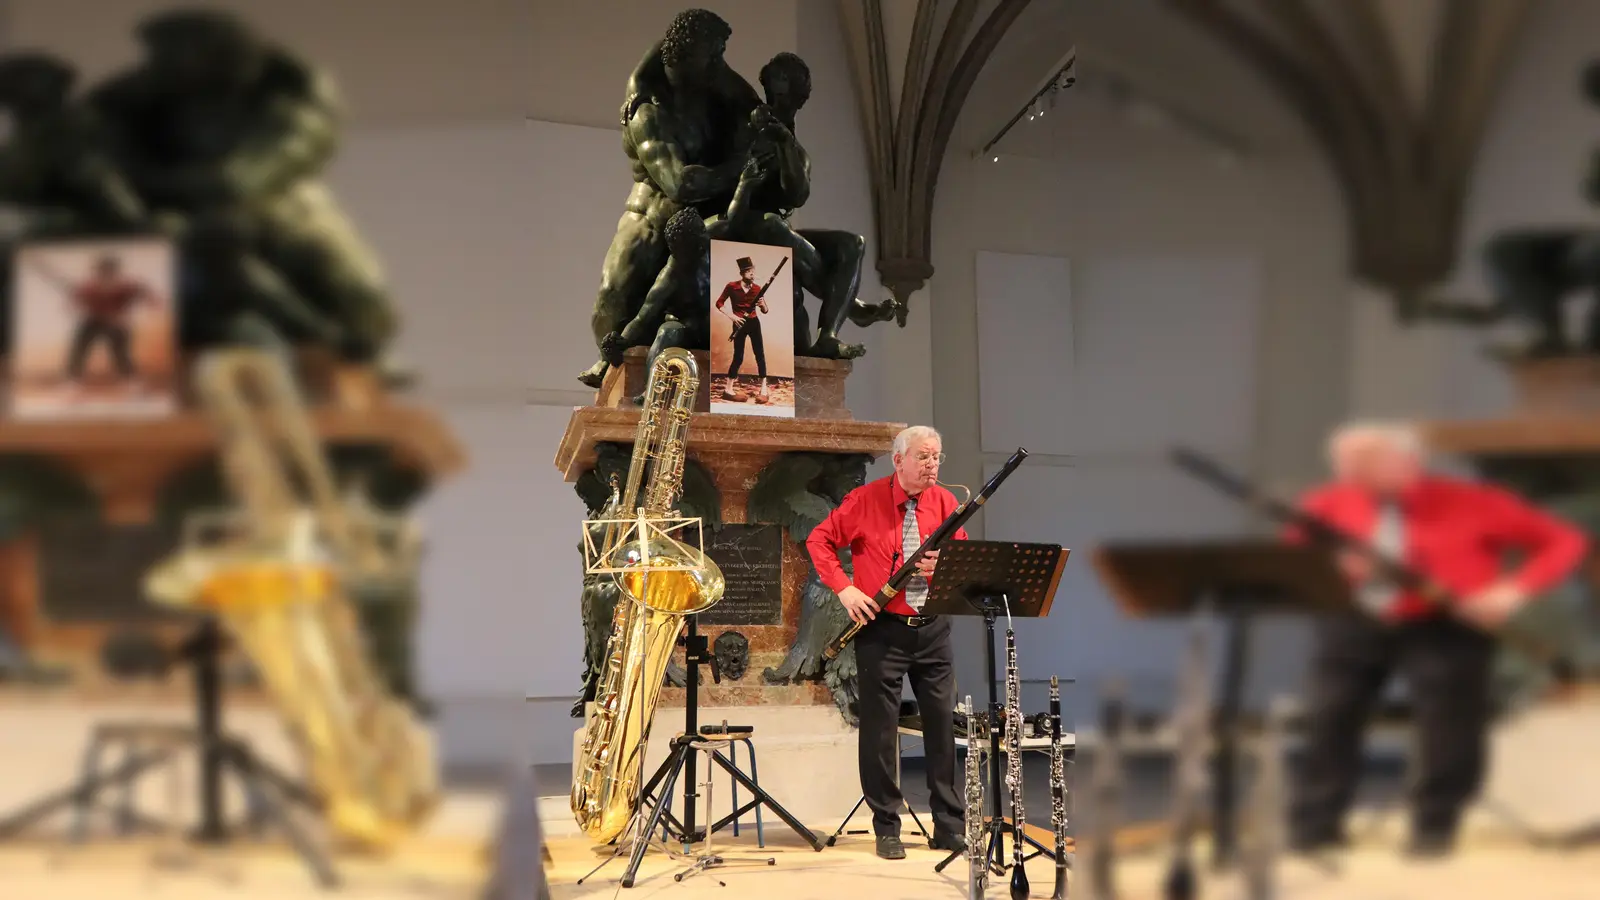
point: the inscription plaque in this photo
(93, 571)
(751, 559)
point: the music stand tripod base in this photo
(655, 813)
(991, 579)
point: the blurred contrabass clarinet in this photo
(940, 535)
(1192, 720)
(1013, 713)
(1267, 807)
(1385, 567)
(1058, 790)
(1105, 798)
(662, 580)
(977, 854)
(278, 570)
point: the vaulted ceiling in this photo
(1393, 95)
(1396, 94)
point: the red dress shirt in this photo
(744, 297)
(1457, 533)
(869, 522)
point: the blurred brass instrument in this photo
(662, 580)
(276, 570)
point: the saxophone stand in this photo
(268, 792)
(655, 808)
(994, 578)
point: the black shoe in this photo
(889, 847)
(1426, 845)
(950, 842)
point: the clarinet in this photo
(977, 852)
(1266, 808)
(1058, 790)
(1190, 719)
(1105, 797)
(1019, 874)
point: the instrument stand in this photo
(270, 794)
(1239, 581)
(991, 578)
(655, 808)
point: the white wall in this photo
(1207, 303)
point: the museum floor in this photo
(42, 745)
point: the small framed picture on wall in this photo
(94, 330)
(752, 329)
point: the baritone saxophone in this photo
(276, 570)
(662, 580)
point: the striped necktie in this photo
(916, 592)
(1389, 539)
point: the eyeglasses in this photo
(929, 457)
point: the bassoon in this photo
(1385, 567)
(944, 532)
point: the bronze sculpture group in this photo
(704, 146)
(218, 140)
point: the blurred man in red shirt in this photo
(1455, 532)
(881, 523)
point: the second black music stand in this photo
(1237, 579)
(991, 579)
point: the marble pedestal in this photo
(805, 749)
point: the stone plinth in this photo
(734, 450)
(1558, 385)
(818, 384)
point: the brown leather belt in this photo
(913, 621)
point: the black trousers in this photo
(90, 332)
(1447, 666)
(749, 331)
(887, 650)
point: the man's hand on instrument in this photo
(926, 563)
(1490, 607)
(1356, 566)
(856, 602)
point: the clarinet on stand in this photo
(1019, 873)
(1191, 720)
(1105, 797)
(977, 856)
(1267, 808)
(1058, 790)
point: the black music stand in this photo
(991, 579)
(1238, 580)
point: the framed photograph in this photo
(94, 330)
(752, 329)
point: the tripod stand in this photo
(269, 793)
(655, 810)
(990, 578)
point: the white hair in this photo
(1394, 435)
(912, 435)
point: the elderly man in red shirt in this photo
(1455, 532)
(881, 523)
